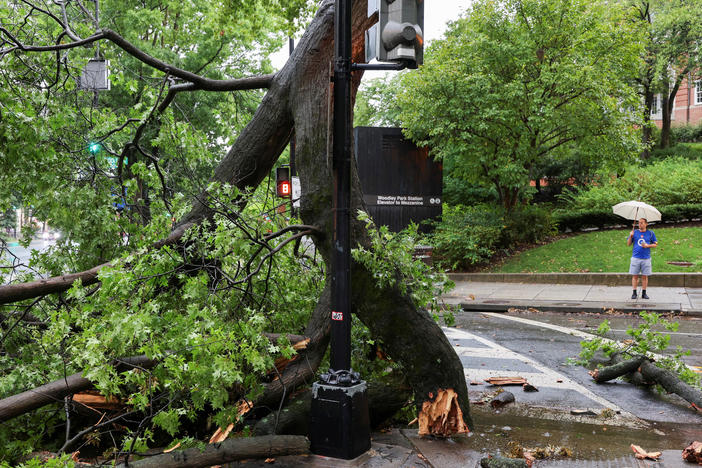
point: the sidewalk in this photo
(574, 292)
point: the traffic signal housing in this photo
(282, 182)
(399, 34)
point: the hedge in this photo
(577, 220)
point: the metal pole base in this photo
(339, 422)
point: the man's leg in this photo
(634, 285)
(644, 285)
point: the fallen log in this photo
(54, 392)
(228, 451)
(605, 374)
(671, 383)
(649, 373)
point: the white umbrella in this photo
(636, 210)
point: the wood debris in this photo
(506, 380)
(641, 454)
(442, 416)
(693, 453)
(96, 400)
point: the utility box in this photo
(401, 183)
(339, 423)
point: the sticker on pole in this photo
(337, 316)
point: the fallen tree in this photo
(651, 373)
(297, 99)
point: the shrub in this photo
(691, 152)
(686, 133)
(666, 182)
(466, 235)
(576, 220)
(527, 225)
(471, 235)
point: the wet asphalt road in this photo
(545, 350)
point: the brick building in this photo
(687, 107)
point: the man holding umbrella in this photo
(643, 240)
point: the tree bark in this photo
(605, 374)
(227, 451)
(671, 383)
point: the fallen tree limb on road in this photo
(652, 373)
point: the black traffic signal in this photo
(283, 187)
(399, 34)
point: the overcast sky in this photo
(436, 14)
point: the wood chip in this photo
(506, 380)
(641, 454)
(95, 400)
(220, 434)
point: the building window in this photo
(698, 92)
(656, 107)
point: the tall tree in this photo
(673, 35)
(196, 295)
(518, 80)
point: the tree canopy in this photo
(518, 81)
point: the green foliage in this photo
(467, 236)
(689, 151)
(518, 81)
(646, 340)
(376, 103)
(181, 307)
(686, 133)
(392, 261)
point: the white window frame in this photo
(698, 92)
(656, 110)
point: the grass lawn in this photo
(606, 251)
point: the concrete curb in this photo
(503, 305)
(682, 280)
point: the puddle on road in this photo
(494, 431)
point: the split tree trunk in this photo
(299, 98)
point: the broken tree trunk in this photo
(671, 383)
(605, 374)
(299, 98)
(227, 451)
(650, 373)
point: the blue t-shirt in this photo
(646, 237)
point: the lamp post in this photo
(340, 425)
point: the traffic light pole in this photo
(340, 424)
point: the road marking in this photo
(566, 330)
(548, 373)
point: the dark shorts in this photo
(640, 266)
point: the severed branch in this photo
(226, 451)
(54, 392)
(651, 373)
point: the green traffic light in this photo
(94, 147)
